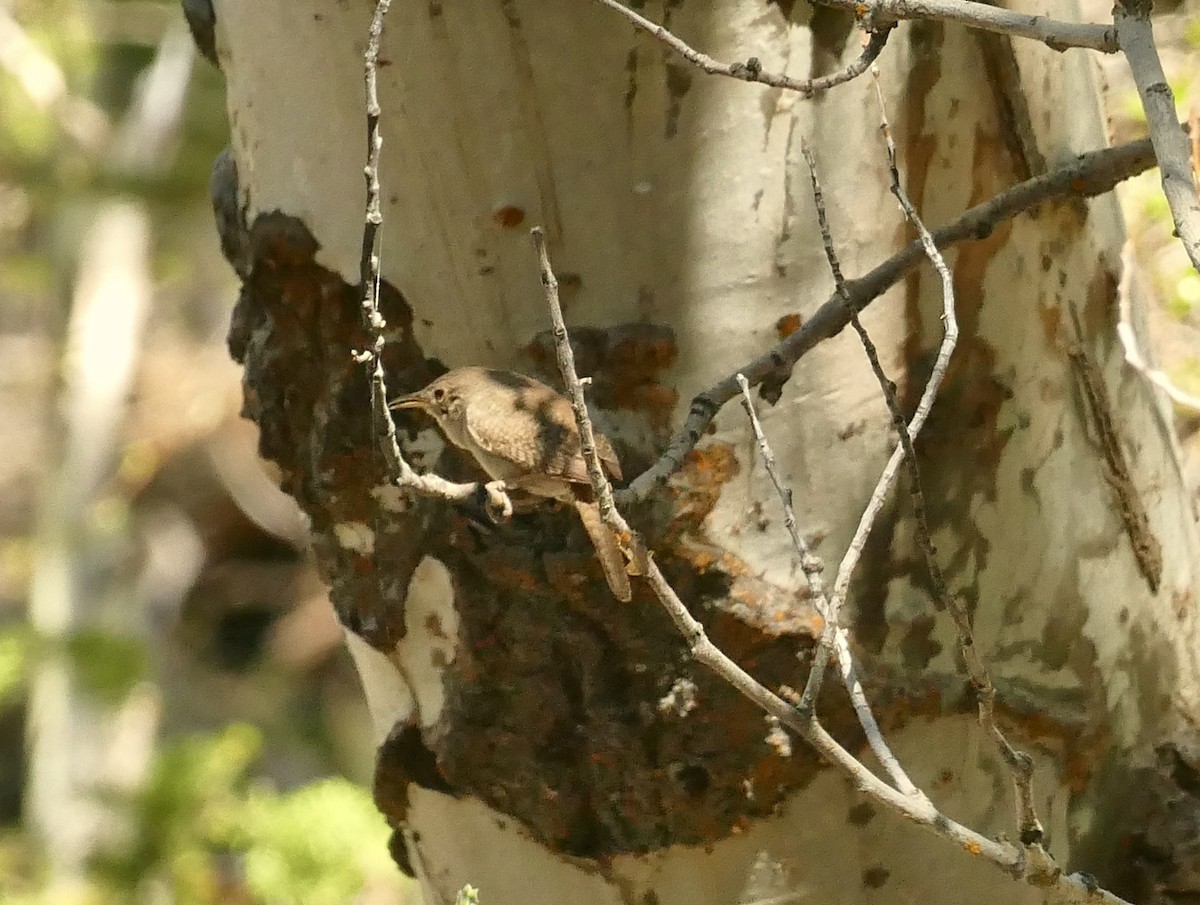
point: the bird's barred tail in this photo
(607, 550)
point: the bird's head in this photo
(442, 399)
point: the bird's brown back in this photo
(532, 426)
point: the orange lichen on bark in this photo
(788, 324)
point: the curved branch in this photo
(751, 70)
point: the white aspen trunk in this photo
(525, 748)
(83, 745)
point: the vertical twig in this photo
(1019, 763)
(383, 427)
(566, 365)
(381, 417)
(812, 567)
(1135, 37)
(1129, 341)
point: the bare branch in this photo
(880, 13)
(1136, 39)
(916, 808)
(497, 501)
(1070, 890)
(812, 567)
(1018, 762)
(566, 364)
(751, 70)
(1088, 175)
(1133, 355)
(809, 562)
(834, 636)
(1054, 34)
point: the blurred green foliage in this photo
(204, 827)
(206, 834)
(201, 832)
(314, 846)
(1191, 32)
(15, 654)
(106, 665)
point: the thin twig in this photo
(1133, 354)
(566, 364)
(1054, 34)
(812, 567)
(1088, 175)
(751, 70)
(833, 636)
(809, 562)
(1136, 39)
(1070, 890)
(1019, 763)
(383, 426)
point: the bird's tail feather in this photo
(607, 550)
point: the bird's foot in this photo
(497, 503)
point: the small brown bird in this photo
(523, 433)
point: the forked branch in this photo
(1073, 889)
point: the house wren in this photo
(523, 433)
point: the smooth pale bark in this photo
(83, 745)
(675, 199)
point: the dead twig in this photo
(1054, 34)
(751, 70)
(880, 13)
(1038, 861)
(1133, 354)
(1136, 40)
(833, 636)
(812, 567)
(1071, 890)
(383, 426)
(1088, 175)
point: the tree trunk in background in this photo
(92, 728)
(532, 743)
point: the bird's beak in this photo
(409, 401)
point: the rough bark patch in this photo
(565, 707)
(559, 707)
(294, 329)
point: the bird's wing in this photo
(539, 413)
(509, 437)
(571, 464)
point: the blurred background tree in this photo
(178, 721)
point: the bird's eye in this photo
(439, 394)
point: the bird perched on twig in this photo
(523, 433)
